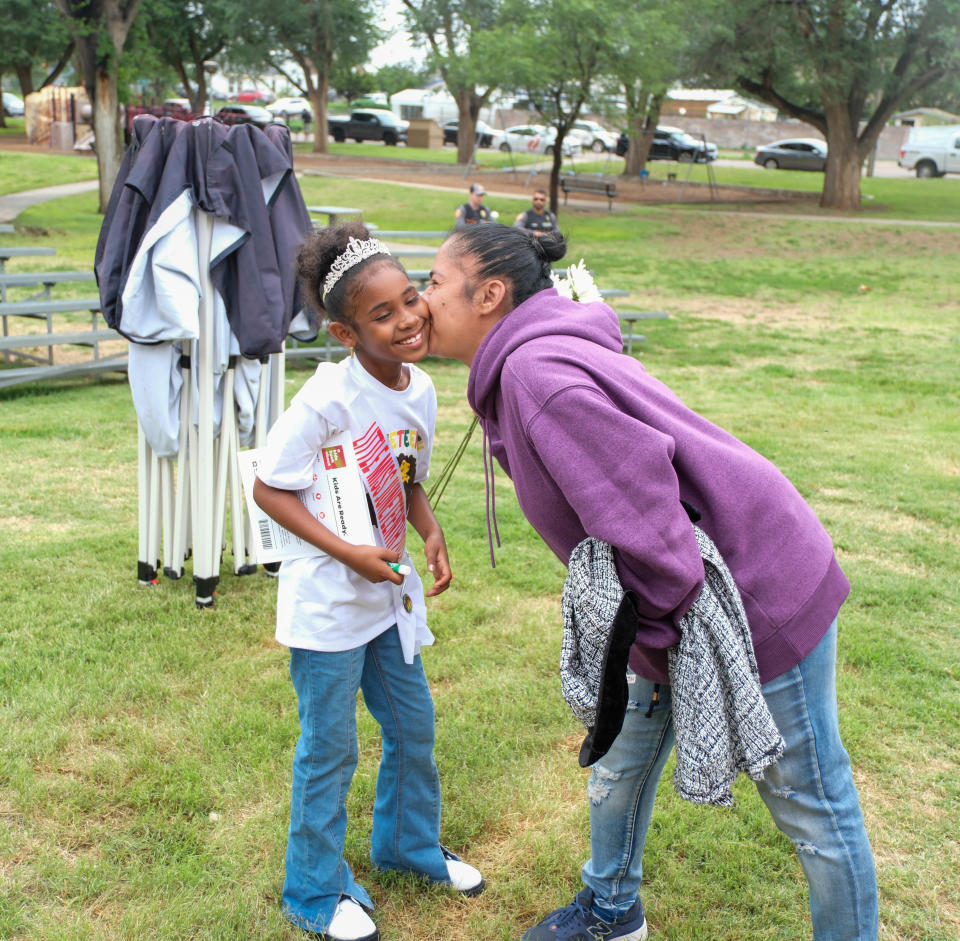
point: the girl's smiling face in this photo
(390, 324)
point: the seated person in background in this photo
(473, 210)
(539, 220)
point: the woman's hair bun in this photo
(552, 245)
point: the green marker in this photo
(399, 569)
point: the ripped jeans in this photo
(809, 792)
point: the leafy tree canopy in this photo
(842, 66)
(33, 39)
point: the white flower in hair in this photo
(578, 284)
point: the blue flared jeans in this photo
(406, 812)
(809, 792)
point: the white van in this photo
(932, 151)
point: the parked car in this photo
(254, 96)
(797, 153)
(12, 105)
(487, 136)
(246, 114)
(674, 143)
(932, 151)
(288, 108)
(594, 136)
(178, 108)
(535, 139)
(368, 124)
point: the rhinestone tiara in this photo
(355, 252)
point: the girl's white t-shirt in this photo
(321, 603)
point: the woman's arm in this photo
(422, 518)
(285, 507)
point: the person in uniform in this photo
(473, 210)
(538, 219)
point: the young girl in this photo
(350, 620)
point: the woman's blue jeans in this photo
(809, 792)
(406, 812)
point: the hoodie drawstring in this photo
(491, 496)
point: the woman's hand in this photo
(435, 549)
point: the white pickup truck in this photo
(932, 151)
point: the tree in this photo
(842, 66)
(185, 36)
(99, 29)
(454, 31)
(32, 35)
(352, 83)
(393, 78)
(650, 51)
(554, 51)
(319, 37)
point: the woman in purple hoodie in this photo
(595, 446)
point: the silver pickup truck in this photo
(932, 151)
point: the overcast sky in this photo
(398, 48)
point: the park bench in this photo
(43, 309)
(325, 348)
(115, 363)
(412, 251)
(44, 280)
(593, 185)
(405, 233)
(333, 213)
(630, 318)
(22, 251)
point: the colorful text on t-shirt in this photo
(382, 478)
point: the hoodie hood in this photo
(546, 313)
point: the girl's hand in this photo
(372, 563)
(435, 549)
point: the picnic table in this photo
(333, 213)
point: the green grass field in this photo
(146, 747)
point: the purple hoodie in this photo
(596, 446)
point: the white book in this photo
(337, 499)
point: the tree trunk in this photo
(555, 177)
(468, 109)
(841, 183)
(99, 68)
(318, 102)
(643, 127)
(25, 78)
(200, 102)
(108, 133)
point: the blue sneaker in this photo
(576, 922)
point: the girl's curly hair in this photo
(314, 260)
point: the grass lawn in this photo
(485, 158)
(146, 747)
(26, 171)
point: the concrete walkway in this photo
(13, 204)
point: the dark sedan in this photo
(246, 114)
(798, 153)
(486, 136)
(673, 143)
